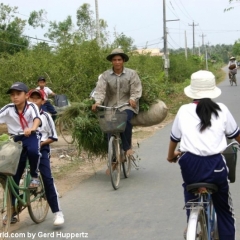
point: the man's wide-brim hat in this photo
(118, 51)
(203, 85)
(232, 58)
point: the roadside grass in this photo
(69, 166)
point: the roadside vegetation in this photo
(73, 57)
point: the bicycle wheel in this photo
(5, 207)
(38, 205)
(197, 228)
(214, 226)
(234, 79)
(126, 166)
(114, 161)
(65, 128)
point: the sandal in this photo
(34, 183)
(123, 157)
(129, 152)
(13, 219)
(114, 165)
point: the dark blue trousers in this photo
(211, 169)
(48, 107)
(45, 170)
(31, 147)
(126, 136)
(31, 150)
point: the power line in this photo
(182, 11)
(15, 44)
(185, 10)
(13, 33)
(174, 41)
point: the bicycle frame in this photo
(202, 211)
(23, 198)
(115, 151)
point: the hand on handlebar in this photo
(132, 103)
(27, 132)
(94, 107)
(175, 157)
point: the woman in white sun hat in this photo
(201, 128)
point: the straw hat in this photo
(232, 58)
(117, 51)
(203, 85)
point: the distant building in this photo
(150, 51)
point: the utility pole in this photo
(202, 36)
(165, 57)
(165, 40)
(193, 25)
(186, 45)
(97, 22)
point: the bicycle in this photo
(32, 198)
(113, 122)
(202, 223)
(233, 78)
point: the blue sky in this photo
(143, 20)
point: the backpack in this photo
(61, 100)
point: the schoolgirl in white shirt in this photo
(201, 128)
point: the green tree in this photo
(61, 31)
(11, 30)
(86, 23)
(236, 48)
(37, 19)
(123, 42)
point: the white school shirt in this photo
(47, 128)
(212, 140)
(46, 91)
(10, 116)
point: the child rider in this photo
(22, 116)
(49, 135)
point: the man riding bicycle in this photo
(232, 66)
(117, 86)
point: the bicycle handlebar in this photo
(233, 143)
(117, 107)
(20, 134)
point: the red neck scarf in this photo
(22, 119)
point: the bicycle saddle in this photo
(193, 188)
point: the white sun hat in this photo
(203, 85)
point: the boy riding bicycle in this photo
(46, 91)
(23, 116)
(49, 135)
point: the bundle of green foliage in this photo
(85, 128)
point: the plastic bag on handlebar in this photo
(230, 155)
(10, 152)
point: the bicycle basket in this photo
(112, 121)
(9, 157)
(230, 155)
